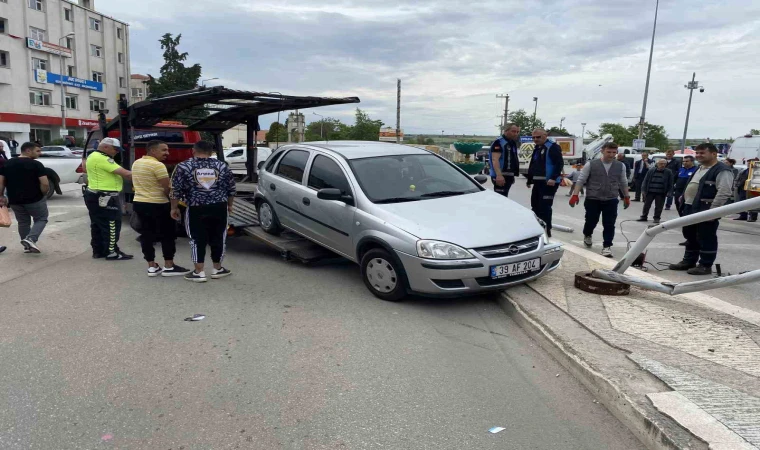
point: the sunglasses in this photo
(536, 137)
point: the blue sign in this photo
(525, 139)
(43, 76)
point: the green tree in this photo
(525, 121)
(175, 76)
(429, 141)
(557, 131)
(365, 129)
(277, 133)
(754, 131)
(420, 139)
(327, 129)
(620, 134)
(654, 135)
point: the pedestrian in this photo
(741, 194)
(658, 184)
(730, 162)
(640, 170)
(153, 209)
(3, 155)
(207, 187)
(105, 180)
(710, 187)
(573, 177)
(27, 184)
(604, 178)
(673, 165)
(682, 179)
(504, 159)
(545, 175)
(14, 146)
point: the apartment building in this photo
(54, 54)
(138, 88)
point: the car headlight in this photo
(441, 250)
(543, 227)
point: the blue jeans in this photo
(24, 215)
(608, 209)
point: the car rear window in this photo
(293, 165)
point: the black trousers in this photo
(503, 190)
(207, 225)
(701, 241)
(542, 201)
(105, 223)
(638, 182)
(156, 224)
(608, 209)
(679, 203)
(659, 202)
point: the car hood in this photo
(472, 220)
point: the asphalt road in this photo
(738, 242)
(95, 354)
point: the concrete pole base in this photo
(587, 283)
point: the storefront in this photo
(46, 129)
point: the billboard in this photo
(43, 76)
(47, 47)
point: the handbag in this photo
(5, 217)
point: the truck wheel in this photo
(268, 218)
(383, 276)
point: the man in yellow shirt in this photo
(105, 179)
(151, 204)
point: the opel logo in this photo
(512, 249)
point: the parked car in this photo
(236, 156)
(58, 151)
(413, 221)
(61, 170)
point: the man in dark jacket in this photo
(741, 194)
(682, 179)
(640, 169)
(504, 159)
(657, 185)
(673, 165)
(544, 174)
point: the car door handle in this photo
(306, 201)
(273, 187)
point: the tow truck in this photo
(180, 117)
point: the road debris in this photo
(195, 318)
(495, 430)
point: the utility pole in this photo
(505, 117)
(535, 110)
(583, 132)
(398, 111)
(649, 71)
(690, 86)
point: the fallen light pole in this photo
(617, 274)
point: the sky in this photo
(585, 60)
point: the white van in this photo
(744, 148)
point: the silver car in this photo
(413, 221)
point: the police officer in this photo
(708, 188)
(504, 159)
(544, 174)
(104, 183)
(682, 179)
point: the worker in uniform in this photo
(545, 175)
(674, 166)
(708, 188)
(105, 180)
(504, 159)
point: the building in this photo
(50, 47)
(138, 88)
(296, 125)
(388, 134)
(236, 136)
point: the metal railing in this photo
(618, 272)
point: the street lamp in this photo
(560, 122)
(535, 109)
(583, 133)
(693, 84)
(203, 82)
(649, 71)
(322, 124)
(63, 86)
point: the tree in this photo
(525, 121)
(620, 134)
(557, 131)
(429, 141)
(326, 129)
(754, 131)
(277, 133)
(420, 139)
(174, 75)
(365, 129)
(654, 135)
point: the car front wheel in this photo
(383, 276)
(268, 218)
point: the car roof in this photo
(365, 149)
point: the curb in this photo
(654, 433)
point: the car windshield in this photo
(404, 178)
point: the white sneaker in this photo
(607, 252)
(154, 271)
(220, 273)
(30, 245)
(587, 241)
(196, 277)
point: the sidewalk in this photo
(663, 365)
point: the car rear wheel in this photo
(383, 276)
(268, 219)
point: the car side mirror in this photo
(481, 178)
(334, 194)
(260, 165)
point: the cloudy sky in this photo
(585, 60)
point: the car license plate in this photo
(518, 268)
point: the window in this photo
(36, 4)
(120, 57)
(97, 76)
(95, 24)
(96, 51)
(39, 98)
(2, 25)
(42, 135)
(272, 161)
(72, 102)
(121, 82)
(293, 165)
(325, 173)
(36, 34)
(118, 33)
(97, 104)
(137, 92)
(235, 154)
(71, 71)
(39, 64)
(69, 43)
(4, 59)
(67, 14)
